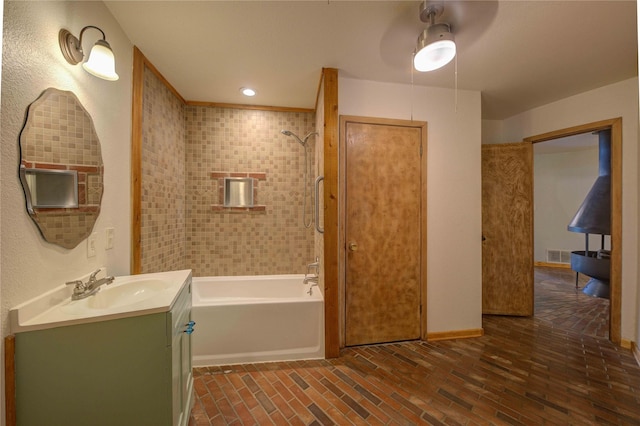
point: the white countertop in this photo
(56, 309)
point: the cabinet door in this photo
(176, 379)
(182, 380)
(187, 376)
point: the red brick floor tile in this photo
(554, 368)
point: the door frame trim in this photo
(615, 124)
(342, 249)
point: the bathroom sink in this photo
(126, 296)
(126, 293)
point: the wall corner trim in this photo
(636, 352)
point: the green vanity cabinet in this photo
(126, 371)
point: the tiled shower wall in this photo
(262, 242)
(163, 179)
(183, 225)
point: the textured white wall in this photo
(615, 100)
(32, 62)
(454, 252)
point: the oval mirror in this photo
(61, 168)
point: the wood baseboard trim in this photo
(454, 334)
(627, 344)
(553, 265)
(10, 380)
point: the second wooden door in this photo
(507, 228)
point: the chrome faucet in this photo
(82, 290)
(310, 279)
(315, 265)
(313, 279)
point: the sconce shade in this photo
(435, 49)
(101, 62)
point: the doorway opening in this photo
(568, 136)
(565, 171)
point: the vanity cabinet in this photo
(124, 371)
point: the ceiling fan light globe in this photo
(434, 56)
(435, 48)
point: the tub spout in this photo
(310, 279)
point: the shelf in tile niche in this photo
(223, 209)
(238, 192)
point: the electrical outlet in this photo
(91, 244)
(109, 232)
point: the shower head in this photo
(302, 142)
(290, 133)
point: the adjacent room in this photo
(320, 212)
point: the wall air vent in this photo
(558, 256)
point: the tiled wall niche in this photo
(268, 241)
(182, 147)
(220, 179)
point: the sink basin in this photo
(127, 293)
(121, 293)
(127, 296)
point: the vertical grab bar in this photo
(318, 180)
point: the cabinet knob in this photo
(190, 325)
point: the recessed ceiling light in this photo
(247, 91)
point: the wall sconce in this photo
(101, 62)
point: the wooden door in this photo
(507, 229)
(384, 228)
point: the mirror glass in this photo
(61, 168)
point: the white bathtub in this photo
(256, 319)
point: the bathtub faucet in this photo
(314, 282)
(313, 279)
(315, 265)
(310, 279)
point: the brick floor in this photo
(555, 368)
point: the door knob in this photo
(353, 246)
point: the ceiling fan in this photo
(465, 21)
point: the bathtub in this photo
(256, 319)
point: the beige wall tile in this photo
(183, 225)
(163, 179)
(267, 242)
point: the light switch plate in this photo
(91, 244)
(109, 232)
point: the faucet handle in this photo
(315, 265)
(92, 277)
(79, 286)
